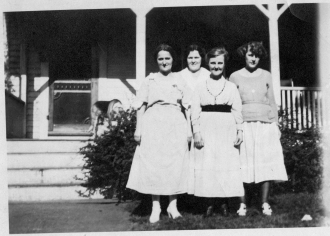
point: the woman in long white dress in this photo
(261, 152)
(193, 74)
(217, 127)
(160, 163)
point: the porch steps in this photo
(45, 170)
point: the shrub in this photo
(302, 151)
(108, 159)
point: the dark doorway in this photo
(70, 75)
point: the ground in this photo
(68, 216)
(107, 216)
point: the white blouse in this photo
(207, 93)
(157, 88)
(191, 80)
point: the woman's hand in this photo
(137, 136)
(239, 138)
(198, 140)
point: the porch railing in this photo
(301, 107)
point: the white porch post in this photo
(274, 51)
(273, 14)
(23, 84)
(42, 101)
(141, 26)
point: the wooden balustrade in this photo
(301, 107)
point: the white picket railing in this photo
(302, 107)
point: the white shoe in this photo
(155, 214)
(266, 210)
(242, 210)
(173, 212)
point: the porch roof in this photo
(44, 5)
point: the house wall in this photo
(14, 116)
(15, 109)
(116, 88)
(14, 44)
(117, 60)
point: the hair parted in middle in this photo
(195, 47)
(110, 107)
(167, 48)
(257, 48)
(217, 51)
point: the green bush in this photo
(108, 159)
(302, 151)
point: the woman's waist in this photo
(165, 113)
(223, 108)
(256, 107)
(165, 105)
(257, 110)
(261, 102)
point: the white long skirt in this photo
(261, 153)
(160, 163)
(217, 166)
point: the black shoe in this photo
(209, 212)
(224, 210)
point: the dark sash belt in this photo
(216, 108)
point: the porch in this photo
(65, 61)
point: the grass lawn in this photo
(288, 210)
(95, 215)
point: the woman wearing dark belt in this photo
(217, 119)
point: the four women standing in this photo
(216, 168)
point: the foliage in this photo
(108, 159)
(302, 151)
(8, 83)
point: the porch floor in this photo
(70, 130)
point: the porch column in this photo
(274, 51)
(95, 75)
(273, 14)
(23, 83)
(141, 24)
(42, 101)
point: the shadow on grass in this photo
(186, 203)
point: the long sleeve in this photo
(196, 110)
(142, 95)
(271, 97)
(236, 108)
(186, 94)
